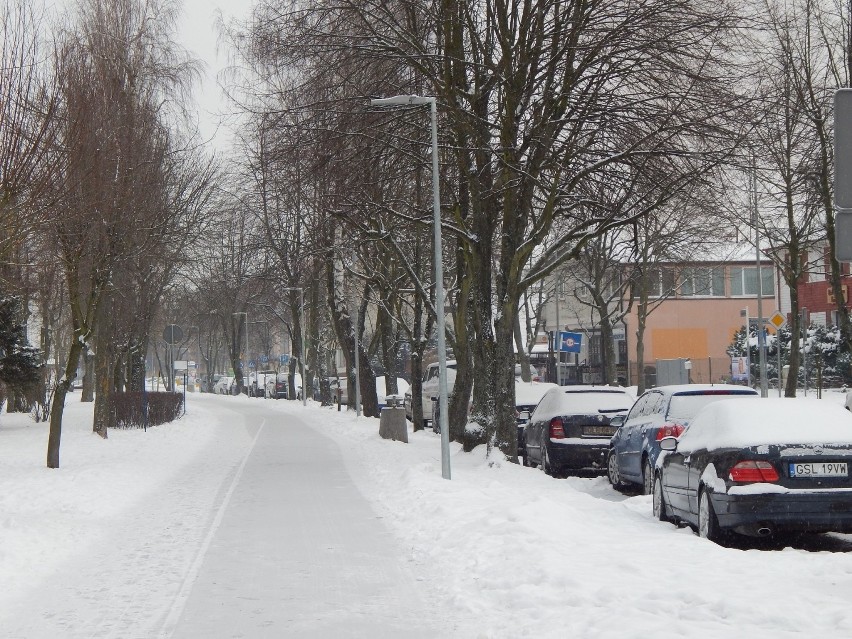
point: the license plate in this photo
(598, 430)
(819, 469)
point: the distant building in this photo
(698, 306)
(815, 292)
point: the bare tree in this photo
(785, 156)
(815, 37)
(120, 72)
(28, 126)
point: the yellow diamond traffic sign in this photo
(777, 319)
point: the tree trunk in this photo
(523, 355)
(88, 392)
(369, 398)
(58, 405)
(607, 346)
(104, 372)
(505, 436)
(136, 367)
(795, 326)
(464, 386)
(389, 341)
(641, 319)
(345, 331)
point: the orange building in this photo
(697, 307)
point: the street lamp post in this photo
(245, 385)
(415, 100)
(302, 340)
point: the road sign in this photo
(777, 319)
(251, 363)
(172, 334)
(570, 342)
(284, 359)
(264, 359)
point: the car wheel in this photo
(527, 459)
(708, 524)
(660, 511)
(612, 471)
(545, 464)
(648, 479)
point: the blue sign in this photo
(570, 342)
(264, 359)
(251, 363)
(284, 359)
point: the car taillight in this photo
(556, 430)
(669, 430)
(753, 471)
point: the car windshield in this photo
(683, 408)
(595, 402)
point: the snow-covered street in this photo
(262, 518)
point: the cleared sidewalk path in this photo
(296, 551)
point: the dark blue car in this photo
(660, 412)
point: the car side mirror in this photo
(617, 420)
(524, 416)
(668, 443)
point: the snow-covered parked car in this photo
(661, 411)
(570, 428)
(278, 386)
(257, 382)
(527, 397)
(759, 468)
(430, 389)
(224, 385)
(402, 388)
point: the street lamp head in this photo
(402, 100)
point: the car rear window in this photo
(586, 402)
(684, 407)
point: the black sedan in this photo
(759, 468)
(569, 429)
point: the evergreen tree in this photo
(20, 363)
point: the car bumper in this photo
(812, 511)
(578, 454)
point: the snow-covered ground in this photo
(114, 539)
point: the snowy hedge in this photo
(161, 408)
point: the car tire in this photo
(708, 524)
(545, 464)
(660, 510)
(612, 471)
(527, 459)
(647, 478)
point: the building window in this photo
(709, 282)
(660, 282)
(744, 281)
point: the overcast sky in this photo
(199, 33)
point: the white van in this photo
(430, 389)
